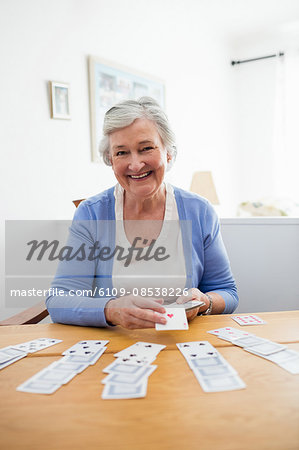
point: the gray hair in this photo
(124, 113)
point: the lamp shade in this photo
(203, 184)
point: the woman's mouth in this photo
(141, 176)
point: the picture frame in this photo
(110, 83)
(60, 102)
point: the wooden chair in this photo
(31, 315)
(37, 312)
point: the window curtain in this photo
(286, 128)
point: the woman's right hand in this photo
(135, 312)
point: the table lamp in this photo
(203, 184)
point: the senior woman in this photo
(179, 230)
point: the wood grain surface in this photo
(176, 413)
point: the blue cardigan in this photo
(207, 268)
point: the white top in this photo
(157, 278)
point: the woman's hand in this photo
(194, 294)
(135, 312)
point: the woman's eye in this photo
(147, 148)
(120, 153)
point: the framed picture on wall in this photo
(60, 103)
(110, 83)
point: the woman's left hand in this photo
(194, 294)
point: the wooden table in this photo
(175, 414)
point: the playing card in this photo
(282, 356)
(10, 353)
(68, 366)
(38, 387)
(206, 362)
(196, 349)
(216, 370)
(56, 376)
(188, 306)
(11, 361)
(88, 359)
(129, 378)
(250, 319)
(121, 391)
(140, 349)
(229, 333)
(4, 357)
(265, 348)
(220, 383)
(118, 366)
(176, 320)
(85, 348)
(36, 345)
(248, 341)
(291, 365)
(144, 360)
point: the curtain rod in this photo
(257, 59)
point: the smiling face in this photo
(138, 159)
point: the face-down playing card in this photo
(247, 341)
(38, 387)
(9, 355)
(265, 348)
(129, 378)
(128, 367)
(221, 383)
(188, 306)
(122, 391)
(54, 375)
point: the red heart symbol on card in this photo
(170, 315)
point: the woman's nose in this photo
(136, 163)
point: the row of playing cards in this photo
(277, 353)
(12, 353)
(75, 360)
(128, 374)
(212, 371)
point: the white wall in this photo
(46, 163)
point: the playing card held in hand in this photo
(176, 320)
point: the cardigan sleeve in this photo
(217, 275)
(76, 303)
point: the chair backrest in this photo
(31, 315)
(77, 202)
